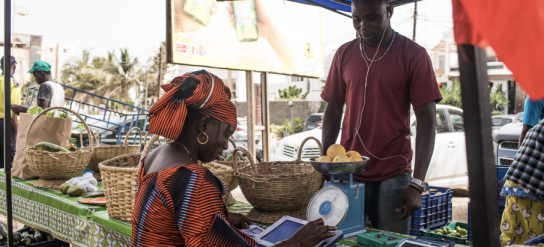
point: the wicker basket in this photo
(276, 189)
(231, 163)
(119, 176)
(226, 174)
(54, 168)
(106, 152)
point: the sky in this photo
(140, 25)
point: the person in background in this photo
(377, 77)
(523, 213)
(15, 99)
(533, 113)
(51, 94)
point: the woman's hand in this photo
(239, 221)
(309, 235)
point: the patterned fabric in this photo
(528, 167)
(211, 96)
(513, 189)
(182, 206)
(522, 218)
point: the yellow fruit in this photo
(336, 150)
(356, 158)
(353, 153)
(324, 159)
(341, 158)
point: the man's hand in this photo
(18, 109)
(239, 221)
(410, 201)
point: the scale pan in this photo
(340, 168)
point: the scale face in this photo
(330, 204)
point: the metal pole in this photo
(160, 75)
(7, 117)
(479, 145)
(250, 98)
(265, 109)
(415, 20)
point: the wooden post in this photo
(250, 100)
(160, 75)
(415, 20)
(146, 86)
(265, 112)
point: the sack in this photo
(59, 132)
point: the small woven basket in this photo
(280, 188)
(54, 168)
(119, 177)
(231, 163)
(106, 152)
(226, 174)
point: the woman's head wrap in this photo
(211, 97)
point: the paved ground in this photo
(460, 205)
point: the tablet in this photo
(418, 243)
(285, 227)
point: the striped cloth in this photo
(527, 170)
(182, 206)
(211, 97)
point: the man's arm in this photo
(331, 125)
(44, 104)
(410, 200)
(15, 126)
(524, 131)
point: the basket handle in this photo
(235, 159)
(64, 109)
(147, 148)
(145, 140)
(304, 142)
(232, 142)
(128, 133)
(93, 135)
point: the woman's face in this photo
(218, 141)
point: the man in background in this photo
(534, 112)
(51, 94)
(15, 99)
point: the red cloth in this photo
(515, 31)
(404, 76)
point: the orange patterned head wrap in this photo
(211, 97)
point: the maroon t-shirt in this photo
(402, 77)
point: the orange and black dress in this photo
(182, 206)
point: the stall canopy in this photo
(341, 6)
(513, 29)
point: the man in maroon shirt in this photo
(377, 77)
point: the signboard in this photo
(262, 35)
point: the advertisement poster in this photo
(261, 35)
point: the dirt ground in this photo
(459, 205)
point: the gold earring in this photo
(198, 138)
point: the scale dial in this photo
(330, 204)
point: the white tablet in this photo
(285, 227)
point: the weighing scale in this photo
(340, 203)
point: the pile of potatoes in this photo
(337, 153)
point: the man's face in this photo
(13, 69)
(38, 75)
(370, 19)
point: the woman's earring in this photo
(198, 138)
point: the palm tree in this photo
(125, 76)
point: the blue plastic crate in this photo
(469, 230)
(501, 173)
(435, 210)
(535, 241)
(415, 232)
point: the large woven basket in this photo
(226, 174)
(119, 177)
(231, 163)
(276, 189)
(54, 168)
(106, 152)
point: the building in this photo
(29, 48)
(445, 62)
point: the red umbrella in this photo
(515, 31)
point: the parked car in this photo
(240, 135)
(506, 141)
(448, 166)
(498, 121)
(313, 121)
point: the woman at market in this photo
(178, 202)
(523, 215)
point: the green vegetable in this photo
(463, 232)
(50, 147)
(49, 114)
(75, 191)
(463, 236)
(63, 115)
(49, 237)
(24, 229)
(540, 244)
(16, 237)
(80, 127)
(35, 110)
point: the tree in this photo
(498, 100)
(451, 96)
(292, 92)
(152, 75)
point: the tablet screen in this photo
(282, 232)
